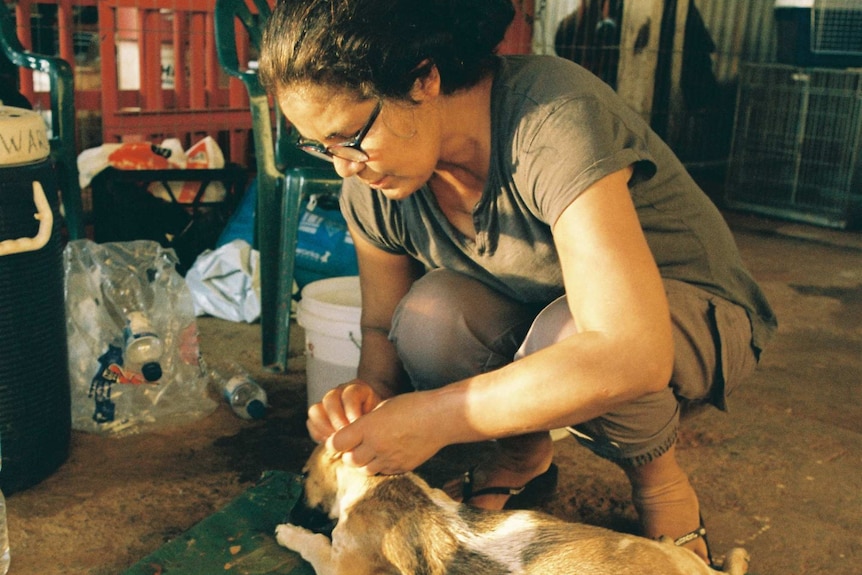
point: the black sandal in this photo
(699, 533)
(533, 493)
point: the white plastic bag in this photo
(104, 284)
(225, 283)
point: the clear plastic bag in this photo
(105, 285)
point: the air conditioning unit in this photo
(819, 33)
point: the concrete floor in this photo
(779, 474)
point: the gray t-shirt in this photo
(556, 129)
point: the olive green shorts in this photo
(450, 327)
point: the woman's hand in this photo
(397, 436)
(340, 407)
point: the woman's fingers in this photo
(340, 407)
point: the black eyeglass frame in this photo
(350, 150)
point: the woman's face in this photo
(402, 143)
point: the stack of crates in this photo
(797, 143)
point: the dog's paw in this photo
(313, 547)
(291, 536)
(736, 562)
(301, 540)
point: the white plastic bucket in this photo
(329, 312)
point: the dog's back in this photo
(424, 531)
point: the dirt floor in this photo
(779, 474)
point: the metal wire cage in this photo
(796, 144)
(836, 27)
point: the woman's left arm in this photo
(622, 349)
(614, 288)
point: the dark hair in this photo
(378, 48)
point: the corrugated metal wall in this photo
(743, 30)
(724, 34)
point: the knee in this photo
(449, 327)
(429, 314)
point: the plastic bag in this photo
(225, 282)
(240, 225)
(169, 155)
(324, 247)
(105, 283)
(130, 156)
(204, 154)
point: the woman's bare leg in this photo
(665, 500)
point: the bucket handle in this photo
(46, 223)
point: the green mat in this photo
(238, 540)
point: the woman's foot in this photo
(518, 461)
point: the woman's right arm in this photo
(384, 280)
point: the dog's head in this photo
(320, 479)
(318, 511)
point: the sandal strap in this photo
(691, 536)
(699, 533)
(467, 492)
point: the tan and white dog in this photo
(398, 524)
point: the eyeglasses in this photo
(350, 150)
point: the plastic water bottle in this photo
(4, 535)
(244, 395)
(143, 347)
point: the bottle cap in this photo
(256, 409)
(152, 371)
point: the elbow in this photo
(657, 369)
(650, 364)
(657, 376)
(647, 370)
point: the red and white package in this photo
(204, 154)
(130, 156)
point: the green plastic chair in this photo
(285, 175)
(62, 89)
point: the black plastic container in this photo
(35, 402)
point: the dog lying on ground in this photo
(398, 524)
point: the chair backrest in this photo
(285, 175)
(236, 26)
(239, 28)
(69, 39)
(62, 137)
(161, 76)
